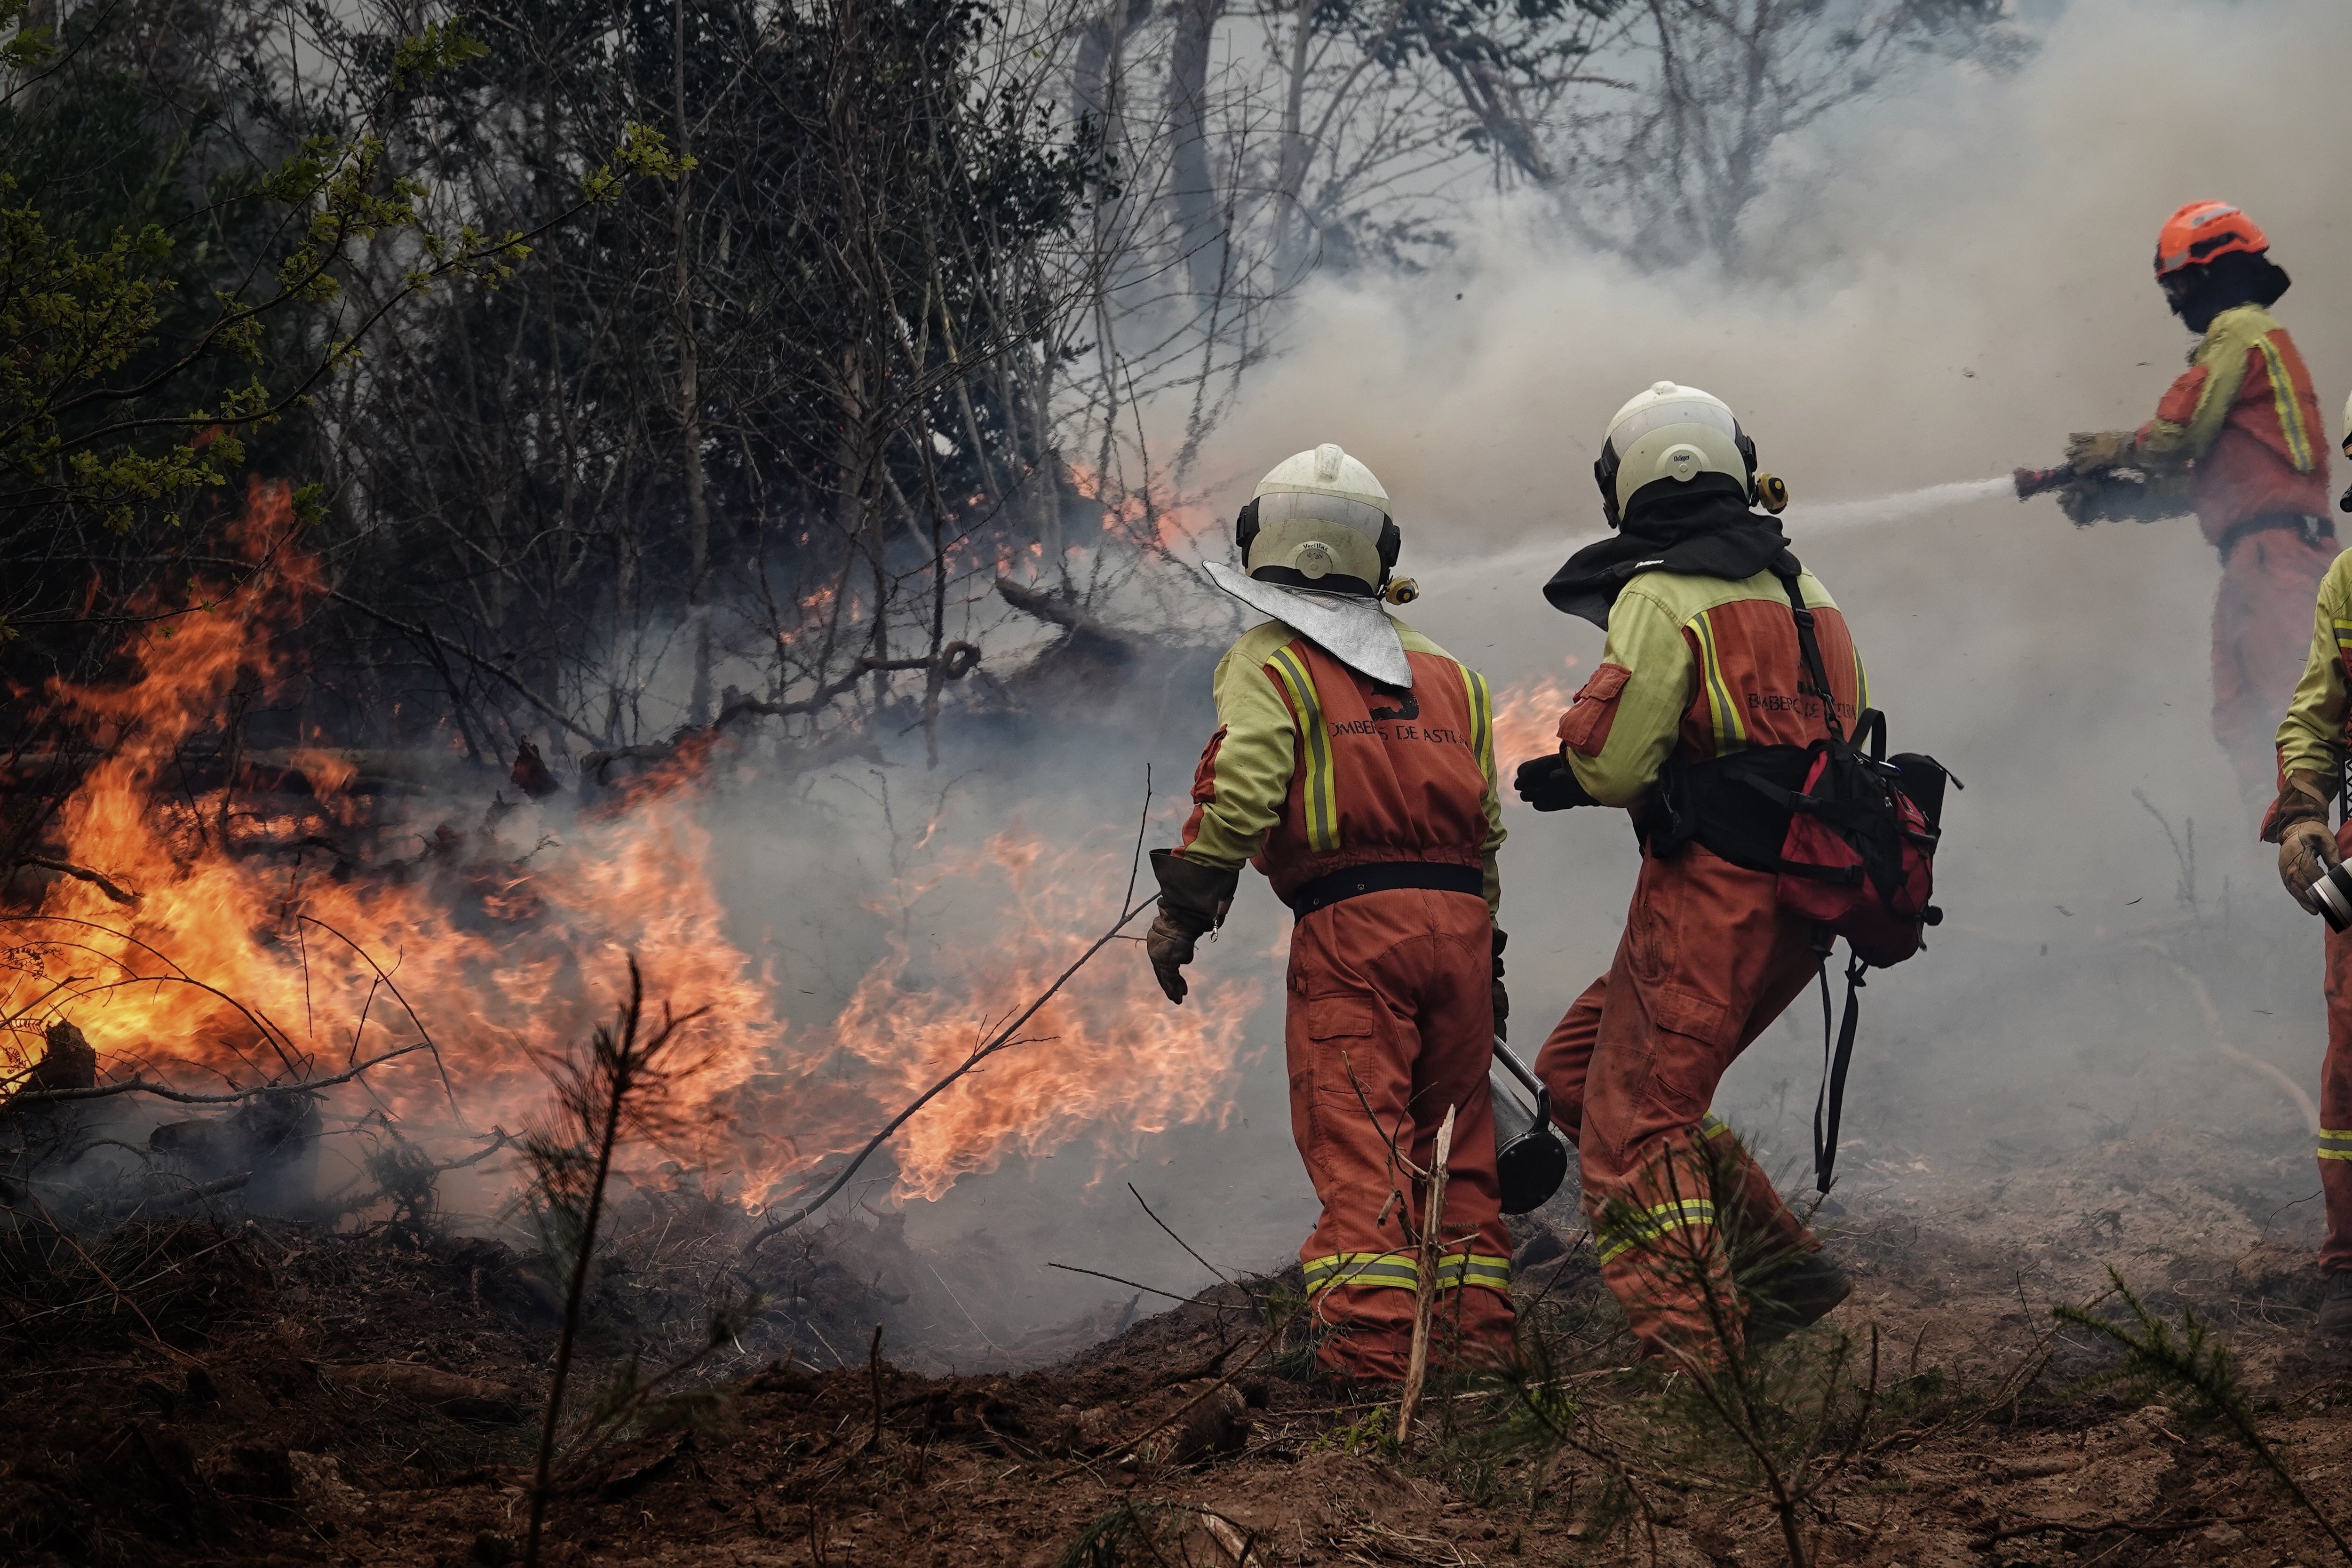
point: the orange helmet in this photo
(2203, 230)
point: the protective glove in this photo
(1168, 945)
(2297, 821)
(2096, 451)
(1502, 997)
(1193, 899)
(2079, 501)
(1549, 784)
(2306, 853)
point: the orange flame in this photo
(1108, 1056)
(243, 958)
(1149, 513)
(1527, 719)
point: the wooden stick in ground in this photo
(1425, 1297)
(874, 1370)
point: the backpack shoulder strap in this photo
(1810, 648)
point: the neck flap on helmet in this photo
(1357, 632)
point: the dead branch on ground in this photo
(183, 1097)
(953, 662)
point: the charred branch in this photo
(953, 662)
(183, 1097)
(97, 880)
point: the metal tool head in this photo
(1530, 1156)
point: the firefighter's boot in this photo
(2335, 1306)
(1803, 1289)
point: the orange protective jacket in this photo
(1315, 768)
(1697, 668)
(2243, 422)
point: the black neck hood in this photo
(1709, 534)
(2226, 282)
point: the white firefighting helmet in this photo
(1319, 521)
(1671, 435)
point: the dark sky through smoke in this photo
(1954, 281)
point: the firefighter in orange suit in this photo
(2242, 424)
(2312, 743)
(1701, 673)
(1354, 765)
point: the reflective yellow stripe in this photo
(1477, 1269)
(1314, 750)
(1482, 720)
(1641, 1228)
(1730, 731)
(2290, 411)
(2336, 1143)
(1400, 1270)
(1712, 1126)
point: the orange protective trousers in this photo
(2335, 1099)
(1707, 962)
(2262, 635)
(1391, 1022)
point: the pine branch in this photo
(2195, 1360)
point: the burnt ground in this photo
(214, 1390)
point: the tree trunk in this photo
(1192, 187)
(690, 401)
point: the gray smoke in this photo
(1960, 278)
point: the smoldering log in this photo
(1089, 648)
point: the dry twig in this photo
(182, 1097)
(1432, 1253)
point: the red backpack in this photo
(1859, 857)
(1859, 861)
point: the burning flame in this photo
(1150, 514)
(245, 942)
(1526, 720)
(1110, 1056)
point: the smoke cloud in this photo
(1953, 280)
(1957, 280)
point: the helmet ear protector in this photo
(1391, 542)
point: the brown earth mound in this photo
(249, 1394)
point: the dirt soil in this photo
(289, 1396)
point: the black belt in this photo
(1383, 876)
(2313, 530)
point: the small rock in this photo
(1097, 1427)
